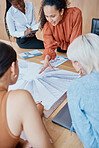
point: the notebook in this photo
(33, 31)
(30, 54)
(63, 118)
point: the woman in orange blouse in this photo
(61, 25)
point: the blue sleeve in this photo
(80, 121)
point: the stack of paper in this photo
(47, 87)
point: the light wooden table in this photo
(62, 137)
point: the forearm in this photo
(50, 43)
(47, 58)
(82, 125)
(50, 139)
(16, 34)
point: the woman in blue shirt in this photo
(83, 93)
(20, 20)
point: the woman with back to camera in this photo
(61, 25)
(20, 20)
(18, 110)
(83, 93)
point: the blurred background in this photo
(89, 8)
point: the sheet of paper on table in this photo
(47, 87)
(57, 61)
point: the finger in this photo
(42, 70)
(51, 67)
(39, 102)
(51, 140)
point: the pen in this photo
(38, 102)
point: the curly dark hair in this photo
(59, 4)
(8, 5)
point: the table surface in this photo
(61, 136)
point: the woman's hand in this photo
(27, 31)
(31, 35)
(40, 108)
(23, 144)
(27, 145)
(46, 64)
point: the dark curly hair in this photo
(8, 5)
(59, 4)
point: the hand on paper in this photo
(27, 31)
(40, 108)
(46, 64)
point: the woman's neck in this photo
(4, 82)
(5, 87)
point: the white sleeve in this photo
(11, 27)
(33, 18)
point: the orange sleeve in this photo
(49, 43)
(77, 24)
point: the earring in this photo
(15, 76)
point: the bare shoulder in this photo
(20, 97)
(20, 101)
(20, 93)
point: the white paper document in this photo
(47, 87)
(57, 61)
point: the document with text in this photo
(48, 86)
